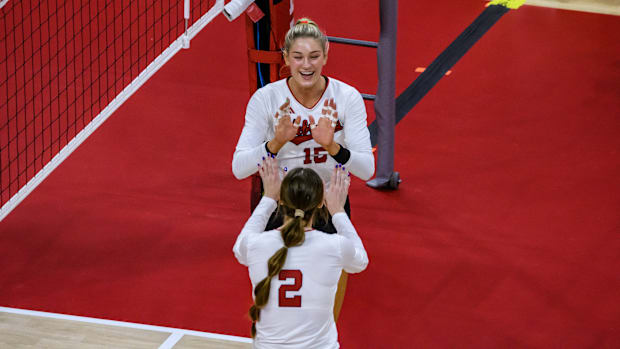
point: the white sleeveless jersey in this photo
(351, 132)
(299, 313)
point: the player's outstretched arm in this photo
(253, 144)
(361, 162)
(257, 222)
(336, 195)
(335, 199)
(250, 149)
(354, 256)
(270, 175)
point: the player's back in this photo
(301, 300)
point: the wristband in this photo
(268, 151)
(343, 155)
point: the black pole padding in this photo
(444, 62)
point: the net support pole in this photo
(185, 39)
(265, 39)
(385, 103)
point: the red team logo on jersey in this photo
(304, 132)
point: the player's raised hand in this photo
(286, 128)
(338, 190)
(323, 128)
(270, 174)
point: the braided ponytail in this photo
(301, 193)
(261, 291)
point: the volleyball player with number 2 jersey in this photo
(295, 269)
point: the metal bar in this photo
(385, 105)
(353, 42)
(368, 97)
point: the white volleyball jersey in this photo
(300, 309)
(351, 132)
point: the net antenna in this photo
(185, 38)
(65, 67)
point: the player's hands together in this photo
(323, 129)
(338, 190)
(286, 128)
(270, 174)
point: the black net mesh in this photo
(63, 62)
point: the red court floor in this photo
(504, 233)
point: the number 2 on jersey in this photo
(317, 158)
(283, 300)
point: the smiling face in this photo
(306, 59)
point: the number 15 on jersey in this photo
(313, 155)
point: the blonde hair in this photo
(305, 28)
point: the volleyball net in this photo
(66, 65)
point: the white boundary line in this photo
(176, 333)
(109, 109)
(3, 2)
(174, 338)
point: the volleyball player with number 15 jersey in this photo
(307, 120)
